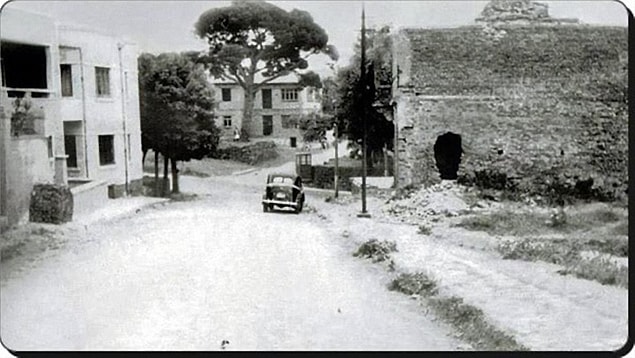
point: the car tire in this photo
(298, 208)
(265, 208)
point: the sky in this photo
(167, 26)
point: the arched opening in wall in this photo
(447, 154)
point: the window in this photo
(227, 121)
(49, 146)
(67, 80)
(289, 94)
(102, 80)
(70, 146)
(288, 122)
(23, 66)
(227, 94)
(267, 125)
(106, 150)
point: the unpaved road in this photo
(188, 275)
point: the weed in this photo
(376, 250)
(600, 269)
(424, 230)
(414, 284)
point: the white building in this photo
(83, 129)
(277, 108)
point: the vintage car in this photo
(283, 191)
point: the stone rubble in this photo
(446, 198)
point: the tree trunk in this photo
(166, 183)
(175, 177)
(157, 191)
(248, 111)
(143, 158)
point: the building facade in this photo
(70, 113)
(278, 105)
(527, 94)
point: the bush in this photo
(51, 203)
(376, 250)
(414, 284)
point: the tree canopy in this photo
(250, 38)
(176, 107)
(355, 96)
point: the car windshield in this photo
(285, 180)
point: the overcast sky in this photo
(167, 26)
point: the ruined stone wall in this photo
(534, 100)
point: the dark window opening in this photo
(267, 125)
(227, 121)
(106, 150)
(70, 146)
(102, 78)
(67, 80)
(227, 94)
(447, 153)
(23, 66)
(49, 146)
(266, 98)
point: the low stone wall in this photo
(251, 153)
(89, 197)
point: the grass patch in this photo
(620, 229)
(600, 269)
(566, 252)
(195, 173)
(472, 325)
(532, 250)
(183, 196)
(616, 246)
(376, 250)
(507, 222)
(469, 322)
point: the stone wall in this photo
(252, 153)
(532, 101)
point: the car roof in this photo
(285, 175)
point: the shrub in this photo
(376, 250)
(414, 284)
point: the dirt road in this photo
(190, 275)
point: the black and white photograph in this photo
(256, 175)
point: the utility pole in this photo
(335, 144)
(362, 79)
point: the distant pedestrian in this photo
(236, 134)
